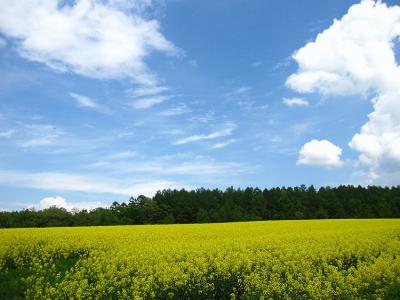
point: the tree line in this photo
(207, 206)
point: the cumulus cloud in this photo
(294, 102)
(60, 202)
(320, 153)
(94, 38)
(379, 140)
(356, 55)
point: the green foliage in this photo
(393, 291)
(203, 206)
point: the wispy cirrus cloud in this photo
(85, 101)
(183, 165)
(212, 135)
(223, 144)
(143, 103)
(203, 118)
(7, 133)
(145, 176)
(61, 181)
(36, 135)
(147, 91)
(173, 132)
(122, 155)
(294, 102)
(182, 108)
(3, 42)
(244, 98)
(240, 91)
(257, 64)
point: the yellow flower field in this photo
(316, 259)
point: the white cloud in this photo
(193, 63)
(173, 132)
(320, 153)
(223, 144)
(207, 167)
(186, 165)
(148, 91)
(294, 102)
(137, 6)
(37, 142)
(205, 118)
(352, 56)
(245, 100)
(3, 42)
(144, 103)
(94, 38)
(213, 135)
(55, 181)
(7, 133)
(37, 135)
(122, 155)
(282, 64)
(178, 110)
(257, 64)
(60, 202)
(85, 101)
(356, 56)
(52, 201)
(379, 140)
(241, 90)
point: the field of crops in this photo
(330, 259)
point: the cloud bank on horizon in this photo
(105, 99)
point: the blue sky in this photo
(100, 100)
